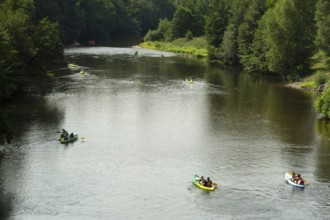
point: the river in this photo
(144, 133)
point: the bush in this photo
(321, 78)
(162, 33)
(309, 85)
(153, 35)
(189, 35)
(165, 29)
(322, 103)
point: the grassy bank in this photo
(321, 75)
(196, 47)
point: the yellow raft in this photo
(196, 182)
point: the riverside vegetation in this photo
(289, 38)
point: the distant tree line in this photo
(103, 20)
(33, 32)
(264, 36)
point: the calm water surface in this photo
(144, 133)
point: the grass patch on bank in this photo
(320, 64)
(196, 47)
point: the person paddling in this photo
(208, 182)
(299, 180)
(202, 181)
(64, 134)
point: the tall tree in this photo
(48, 45)
(323, 25)
(216, 22)
(98, 17)
(228, 51)
(25, 48)
(255, 60)
(247, 28)
(183, 21)
(290, 31)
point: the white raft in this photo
(288, 178)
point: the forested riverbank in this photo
(280, 37)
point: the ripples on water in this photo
(146, 133)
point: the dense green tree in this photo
(228, 51)
(146, 13)
(183, 21)
(66, 12)
(322, 104)
(199, 11)
(25, 48)
(323, 25)
(48, 45)
(149, 12)
(102, 20)
(216, 22)
(255, 60)
(289, 34)
(162, 33)
(248, 26)
(98, 17)
(124, 25)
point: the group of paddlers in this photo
(65, 135)
(205, 182)
(296, 178)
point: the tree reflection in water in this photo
(6, 132)
(6, 201)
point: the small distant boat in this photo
(189, 81)
(196, 183)
(82, 72)
(288, 179)
(73, 67)
(69, 140)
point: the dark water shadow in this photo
(6, 198)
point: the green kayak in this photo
(196, 183)
(70, 140)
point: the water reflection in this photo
(149, 131)
(322, 126)
(323, 129)
(6, 201)
(254, 101)
(6, 132)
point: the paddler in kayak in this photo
(202, 181)
(298, 179)
(64, 134)
(208, 182)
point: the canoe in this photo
(288, 179)
(70, 140)
(189, 81)
(73, 66)
(196, 183)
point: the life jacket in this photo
(301, 182)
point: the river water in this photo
(144, 133)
